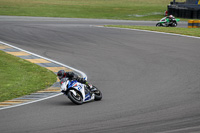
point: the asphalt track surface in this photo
(150, 81)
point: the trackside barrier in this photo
(196, 24)
(193, 23)
(190, 23)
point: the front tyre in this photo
(75, 99)
(175, 24)
(98, 94)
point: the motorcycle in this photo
(78, 93)
(165, 22)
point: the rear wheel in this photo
(158, 24)
(77, 99)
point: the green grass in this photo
(19, 77)
(176, 30)
(109, 9)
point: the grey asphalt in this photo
(150, 82)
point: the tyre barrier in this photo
(193, 23)
(184, 11)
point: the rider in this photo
(170, 17)
(62, 74)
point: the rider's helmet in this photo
(61, 74)
(171, 16)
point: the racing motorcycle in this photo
(79, 93)
(165, 22)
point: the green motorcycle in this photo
(165, 22)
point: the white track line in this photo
(83, 74)
(185, 130)
(12, 106)
(151, 32)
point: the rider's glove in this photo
(81, 80)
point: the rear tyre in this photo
(75, 99)
(158, 24)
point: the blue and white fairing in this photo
(74, 86)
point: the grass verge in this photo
(109, 9)
(176, 30)
(19, 77)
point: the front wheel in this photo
(174, 24)
(98, 94)
(77, 99)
